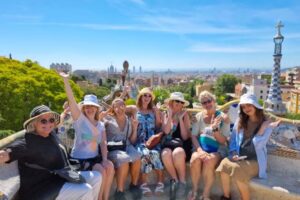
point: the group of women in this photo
(206, 143)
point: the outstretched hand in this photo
(268, 124)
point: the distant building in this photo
(65, 67)
(260, 88)
(294, 105)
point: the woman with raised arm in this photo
(210, 131)
(176, 144)
(247, 148)
(90, 137)
(40, 153)
(149, 118)
(119, 127)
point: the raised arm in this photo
(75, 111)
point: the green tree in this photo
(226, 84)
(161, 94)
(24, 85)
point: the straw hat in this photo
(39, 111)
(177, 96)
(146, 90)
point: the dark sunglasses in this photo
(147, 95)
(177, 101)
(45, 121)
(206, 102)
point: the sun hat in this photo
(146, 90)
(90, 100)
(249, 98)
(39, 111)
(177, 96)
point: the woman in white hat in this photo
(209, 132)
(247, 148)
(149, 118)
(90, 137)
(41, 147)
(177, 128)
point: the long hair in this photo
(140, 103)
(259, 113)
(96, 114)
(111, 110)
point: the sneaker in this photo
(135, 191)
(225, 198)
(180, 190)
(119, 195)
(172, 189)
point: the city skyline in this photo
(156, 35)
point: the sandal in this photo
(159, 190)
(204, 198)
(192, 195)
(146, 191)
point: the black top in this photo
(187, 144)
(43, 151)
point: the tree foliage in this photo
(99, 91)
(226, 84)
(24, 85)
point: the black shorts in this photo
(88, 164)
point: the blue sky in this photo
(156, 34)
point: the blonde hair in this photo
(111, 110)
(31, 126)
(207, 95)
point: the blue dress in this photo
(146, 128)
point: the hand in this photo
(181, 115)
(202, 154)
(4, 156)
(134, 122)
(235, 158)
(268, 124)
(216, 122)
(103, 114)
(170, 112)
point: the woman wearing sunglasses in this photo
(90, 145)
(41, 147)
(120, 127)
(208, 133)
(247, 148)
(176, 127)
(149, 118)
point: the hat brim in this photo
(142, 93)
(256, 105)
(186, 103)
(88, 103)
(55, 114)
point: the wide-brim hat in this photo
(90, 100)
(177, 96)
(39, 111)
(146, 90)
(249, 98)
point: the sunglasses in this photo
(147, 95)
(206, 102)
(177, 101)
(45, 121)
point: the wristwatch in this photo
(215, 129)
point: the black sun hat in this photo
(39, 111)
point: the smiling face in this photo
(208, 103)
(176, 105)
(44, 124)
(118, 107)
(248, 109)
(90, 111)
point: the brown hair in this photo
(111, 110)
(244, 117)
(96, 114)
(139, 103)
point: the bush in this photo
(5, 133)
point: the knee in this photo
(195, 161)
(178, 153)
(166, 153)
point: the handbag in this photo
(119, 145)
(154, 140)
(172, 143)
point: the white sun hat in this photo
(249, 98)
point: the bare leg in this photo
(122, 173)
(244, 190)
(109, 172)
(160, 176)
(167, 159)
(135, 171)
(179, 163)
(225, 179)
(196, 165)
(209, 166)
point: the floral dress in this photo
(146, 128)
